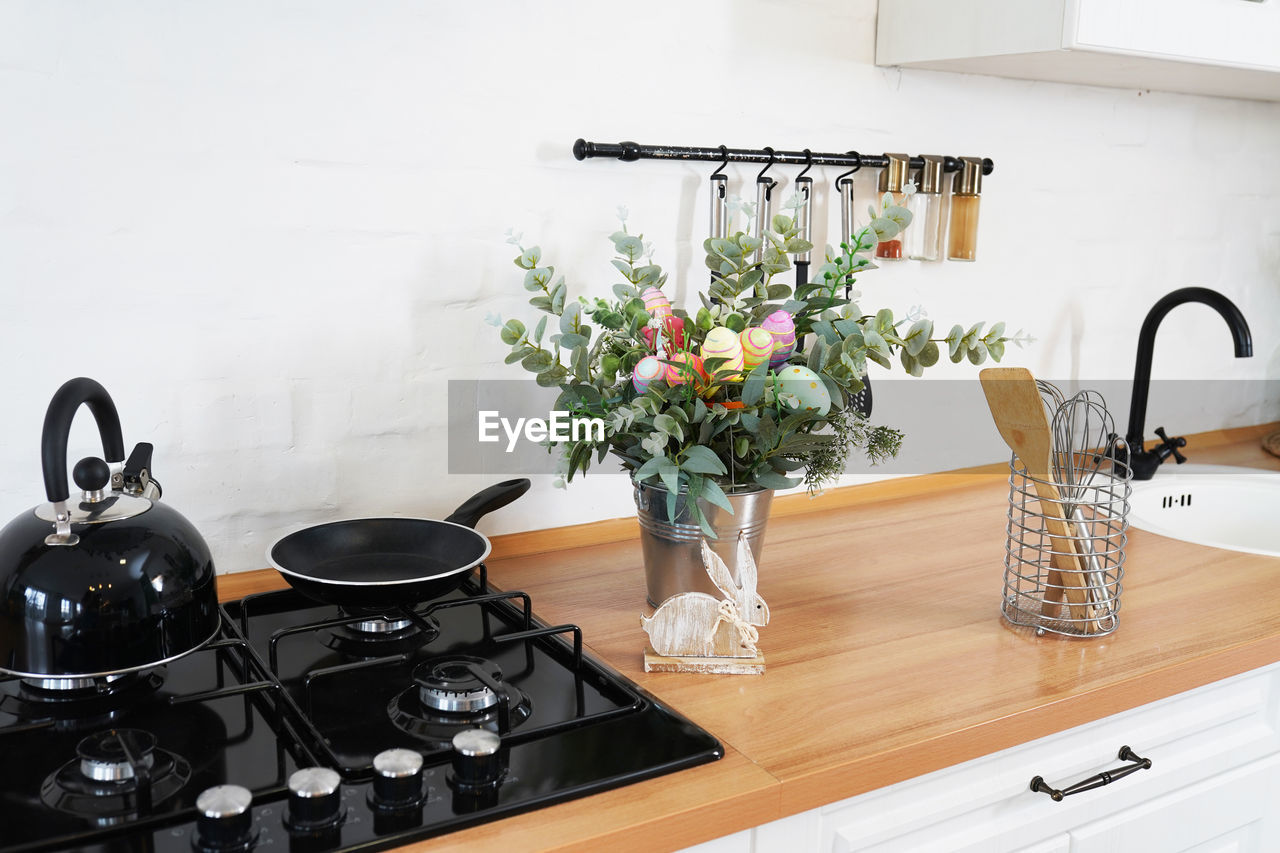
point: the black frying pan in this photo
(383, 563)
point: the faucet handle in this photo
(1170, 446)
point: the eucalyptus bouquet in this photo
(751, 390)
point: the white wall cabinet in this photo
(1215, 755)
(1211, 47)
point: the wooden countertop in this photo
(887, 654)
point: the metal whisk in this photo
(1083, 443)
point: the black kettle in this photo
(110, 583)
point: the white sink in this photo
(1233, 508)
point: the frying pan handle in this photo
(482, 503)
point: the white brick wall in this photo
(273, 230)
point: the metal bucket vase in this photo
(672, 550)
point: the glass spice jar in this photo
(923, 240)
(892, 178)
(966, 194)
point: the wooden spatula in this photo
(1019, 414)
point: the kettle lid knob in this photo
(91, 474)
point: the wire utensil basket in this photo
(1064, 559)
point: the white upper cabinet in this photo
(1209, 47)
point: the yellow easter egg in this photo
(806, 387)
(723, 343)
(757, 346)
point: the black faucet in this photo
(1143, 462)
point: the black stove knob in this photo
(223, 818)
(315, 799)
(477, 758)
(397, 779)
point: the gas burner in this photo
(81, 703)
(117, 775)
(110, 756)
(448, 696)
(91, 685)
(379, 636)
(380, 625)
(452, 686)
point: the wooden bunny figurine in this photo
(694, 624)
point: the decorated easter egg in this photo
(779, 324)
(675, 375)
(806, 386)
(655, 302)
(723, 343)
(647, 370)
(757, 346)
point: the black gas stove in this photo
(305, 728)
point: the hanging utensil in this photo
(764, 203)
(861, 401)
(1016, 407)
(719, 220)
(379, 564)
(804, 189)
(844, 187)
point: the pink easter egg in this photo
(757, 346)
(647, 370)
(655, 302)
(779, 324)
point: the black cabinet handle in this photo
(1104, 778)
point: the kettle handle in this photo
(57, 429)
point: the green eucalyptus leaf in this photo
(529, 258)
(909, 364)
(774, 480)
(977, 353)
(918, 336)
(551, 378)
(702, 460)
(954, 341)
(512, 332)
(538, 361)
(668, 424)
(928, 356)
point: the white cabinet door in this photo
(1215, 47)
(1232, 33)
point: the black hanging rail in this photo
(629, 151)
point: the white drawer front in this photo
(986, 804)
